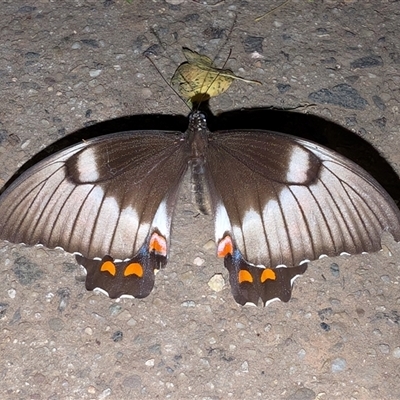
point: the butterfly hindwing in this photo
(132, 277)
(251, 283)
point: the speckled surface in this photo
(66, 65)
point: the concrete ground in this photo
(69, 65)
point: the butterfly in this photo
(278, 201)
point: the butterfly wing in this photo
(281, 200)
(109, 199)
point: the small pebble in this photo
(99, 89)
(132, 382)
(94, 73)
(198, 261)
(56, 324)
(325, 313)
(301, 353)
(3, 309)
(217, 283)
(267, 327)
(146, 93)
(131, 322)
(204, 362)
(210, 385)
(187, 277)
(117, 336)
(338, 365)
(64, 294)
(188, 303)
(210, 245)
(326, 327)
(384, 348)
(105, 393)
(114, 309)
(360, 312)
(335, 270)
(396, 352)
(244, 367)
(303, 394)
(91, 390)
(88, 331)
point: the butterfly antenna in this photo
(147, 55)
(223, 44)
(270, 11)
(228, 36)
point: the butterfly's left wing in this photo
(280, 200)
(109, 200)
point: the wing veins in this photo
(263, 224)
(340, 213)
(304, 220)
(40, 184)
(346, 188)
(77, 215)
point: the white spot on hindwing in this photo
(162, 221)
(299, 165)
(222, 222)
(130, 214)
(86, 165)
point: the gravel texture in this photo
(73, 64)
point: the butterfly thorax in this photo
(197, 135)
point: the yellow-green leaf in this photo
(198, 79)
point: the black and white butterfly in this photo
(278, 201)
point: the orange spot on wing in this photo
(245, 276)
(267, 274)
(158, 244)
(225, 247)
(108, 266)
(134, 269)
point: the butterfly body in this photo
(277, 202)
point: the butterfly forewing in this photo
(89, 198)
(295, 199)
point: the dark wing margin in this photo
(280, 200)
